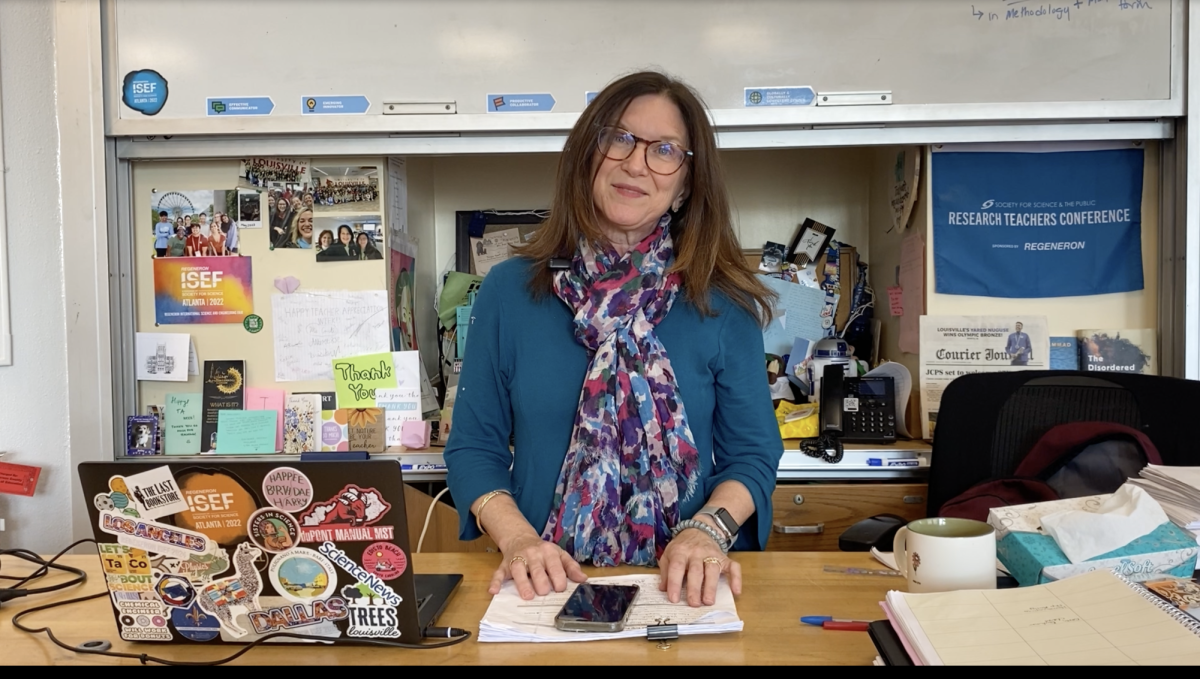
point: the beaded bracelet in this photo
(712, 532)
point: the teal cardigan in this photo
(523, 372)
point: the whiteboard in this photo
(941, 52)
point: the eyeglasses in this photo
(662, 157)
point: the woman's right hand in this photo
(535, 567)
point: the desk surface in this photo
(778, 588)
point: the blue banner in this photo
(1054, 224)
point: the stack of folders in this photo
(1097, 618)
(1177, 489)
(511, 618)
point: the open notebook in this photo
(1093, 619)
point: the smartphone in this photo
(597, 608)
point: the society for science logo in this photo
(987, 204)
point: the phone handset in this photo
(827, 445)
(833, 394)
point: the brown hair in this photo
(707, 254)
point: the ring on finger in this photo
(715, 560)
(516, 559)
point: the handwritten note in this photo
(181, 418)
(313, 328)
(895, 305)
(268, 399)
(358, 377)
(912, 282)
(798, 315)
(246, 431)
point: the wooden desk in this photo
(778, 589)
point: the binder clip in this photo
(662, 633)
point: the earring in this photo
(677, 204)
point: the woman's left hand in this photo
(695, 558)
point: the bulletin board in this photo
(191, 181)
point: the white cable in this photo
(428, 516)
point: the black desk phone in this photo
(857, 409)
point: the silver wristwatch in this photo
(724, 519)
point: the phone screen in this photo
(598, 603)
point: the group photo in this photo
(188, 223)
(343, 188)
(341, 239)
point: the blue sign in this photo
(334, 106)
(1054, 224)
(588, 97)
(144, 91)
(239, 106)
(519, 103)
(780, 96)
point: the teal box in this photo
(1034, 558)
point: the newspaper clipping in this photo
(961, 345)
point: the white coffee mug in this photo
(942, 555)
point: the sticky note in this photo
(357, 377)
(268, 399)
(246, 431)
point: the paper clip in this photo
(863, 571)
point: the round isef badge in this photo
(273, 530)
(252, 323)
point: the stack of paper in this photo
(1177, 489)
(511, 618)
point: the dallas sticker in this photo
(348, 517)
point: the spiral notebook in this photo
(1098, 618)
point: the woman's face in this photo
(214, 229)
(304, 225)
(281, 206)
(326, 239)
(308, 200)
(344, 234)
(296, 204)
(363, 240)
(628, 197)
(270, 202)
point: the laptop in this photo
(229, 551)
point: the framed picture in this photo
(141, 434)
(810, 242)
(772, 260)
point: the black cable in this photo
(16, 590)
(821, 446)
(145, 658)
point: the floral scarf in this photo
(631, 456)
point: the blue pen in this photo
(820, 620)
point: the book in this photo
(1122, 351)
(1064, 353)
(224, 389)
(1097, 618)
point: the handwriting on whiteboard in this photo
(1008, 11)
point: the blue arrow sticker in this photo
(239, 106)
(519, 103)
(351, 104)
(780, 96)
(144, 91)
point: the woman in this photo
(308, 199)
(668, 453)
(216, 240)
(230, 228)
(281, 219)
(343, 249)
(324, 242)
(299, 234)
(177, 244)
(366, 247)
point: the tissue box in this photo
(1033, 557)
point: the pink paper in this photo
(912, 283)
(894, 304)
(912, 655)
(268, 399)
(414, 434)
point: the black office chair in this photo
(988, 422)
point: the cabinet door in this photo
(811, 517)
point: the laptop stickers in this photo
(201, 553)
